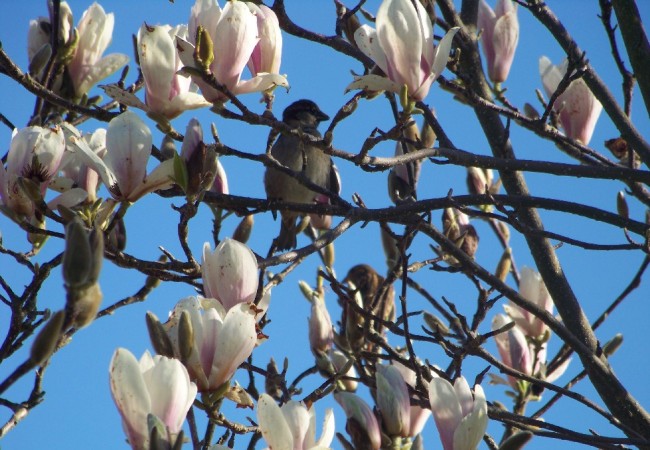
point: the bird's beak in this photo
(321, 116)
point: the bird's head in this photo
(303, 113)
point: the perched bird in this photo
(367, 282)
(300, 157)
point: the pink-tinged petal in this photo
(485, 23)
(92, 160)
(235, 39)
(355, 408)
(128, 143)
(367, 41)
(393, 400)
(446, 410)
(398, 31)
(87, 66)
(211, 326)
(505, 38)
(471, 429)
(261, 82)
(267, 55)
(551, 75)
(170, 390)
(442, 52)
(220, 185)
(193, 136)
(501, 339)
(130, 395)
(205, 13)
(274, 428)
(237, 340)
(464, 395)
(232, 276)
(161, 178)
(185, 52)
(157, 57)
(102, 69)
(45, 145)
(321, 334)
(580, 111)
(519, 352)
(297, 417)
(184, 101)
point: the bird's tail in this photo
(286, 240)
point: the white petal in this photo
(374, 83)
(366, 39)
(445, 408)
(273, 426)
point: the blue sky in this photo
(78, 411)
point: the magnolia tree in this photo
(113, 193)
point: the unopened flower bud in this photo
(83, 255)
(621, 205)
(185, 336)
(46, 340)
(435, 324)
(159, 338)
(321, 335)
(328, 255)
(273, 381)
(517, 441)
(362, 424)
(204, 51)
(613, 344)
(504, 266)
(83, 303)
(393, 400)
(243, 231)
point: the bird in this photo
(301, 157)
(366, 281)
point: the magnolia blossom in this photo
(95, 34)
(39, 40)
(321, 334)
(35, 154)
(155, 390)
(229, 273)
(577, 106)
(461, 417)
(166, 92)
(222, 340)
(500, 36)
(418, 415)
(292, 426)
(235, 35)
(523, 355)
(533, 289)
(74, 169)
(340, 361)
(393, 401)
(402, 47)
(361, 419)
(124, 167)
(514, 350)
(267, 54)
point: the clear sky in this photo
(78, 412)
